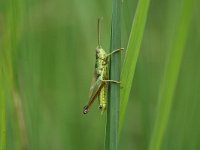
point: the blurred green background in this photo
(47, 52)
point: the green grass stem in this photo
(171, 73)
(2, 112)
(113, 103)
(132, 53)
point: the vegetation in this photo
(47, 56)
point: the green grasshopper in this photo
(100, 87)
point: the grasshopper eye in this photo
(97, 50)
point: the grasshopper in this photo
(100, 86)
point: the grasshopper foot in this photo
(85, 109)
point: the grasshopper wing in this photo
(94, 91)
(92, 86)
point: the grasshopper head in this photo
(100, 53)
(99, 50)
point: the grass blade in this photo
(2, 112)
(171, 75)
(131, 57)
(111, 142)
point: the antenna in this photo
(99, 30)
